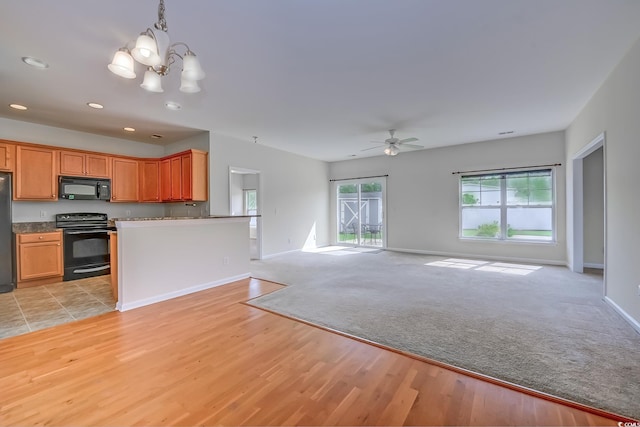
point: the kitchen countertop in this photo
(33, 227)
(157, 218)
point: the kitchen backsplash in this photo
(41, 211)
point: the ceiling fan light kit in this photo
(393, 145)
(391, 150)
(154, 49)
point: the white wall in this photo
(45, 211)
(422, 195)
(293, 192)
(197, 142)
(614, 110)
(593, 169)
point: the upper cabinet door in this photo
(186, 176)
(176, 178)
(36, 171)
(72, 163)
(124, 184)
(7, 156)
(165, 180)
(150, 181)
(97, 165)
(84, 164)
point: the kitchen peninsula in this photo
(164, 258)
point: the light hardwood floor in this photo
(209, 359)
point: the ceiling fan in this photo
(393, 144)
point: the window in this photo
(250, 205)
(508, 206)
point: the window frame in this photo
(504, 207)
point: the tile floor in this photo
(29, 309)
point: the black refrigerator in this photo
(6, 237)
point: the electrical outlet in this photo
(43, 214)
(638, 290)
(128, 213)
(225, 260)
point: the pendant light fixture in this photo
(154, 50)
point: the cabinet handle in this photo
(41, 237)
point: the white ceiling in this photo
(321, 78)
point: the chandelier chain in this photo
(162, 22)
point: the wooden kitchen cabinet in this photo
(124, 180)
(39, 258)
(176, 178)
(165, 180)
(184, 177)
(84, 164)
(149, 181)
(36, 173)
(7, 156)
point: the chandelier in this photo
(154, 49)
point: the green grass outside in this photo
(351, 237)
(473, 232)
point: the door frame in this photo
(577, 259)
(336, 213)
(233, 170)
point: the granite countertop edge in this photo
(33, 227)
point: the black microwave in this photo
(79, 188)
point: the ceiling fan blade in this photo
(412, 146)
(378, 142)
(373, 148)
(404, 141)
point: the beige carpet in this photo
(541, 327)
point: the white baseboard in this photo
(633, 322)
(593, 265)
(476, 256)
(179, 293)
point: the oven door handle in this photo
(91, 270)
(87, 232)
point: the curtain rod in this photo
(506, 169)
(360, 177)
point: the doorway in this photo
(589, 208)
(361, 212)
(244, 199)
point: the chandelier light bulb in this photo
(122, 64)
(146, 51)
(191, 68)
(152, 82)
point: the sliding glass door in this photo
(360, 212)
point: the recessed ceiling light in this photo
(35, 62)
(128, 129)
(95, 105)
(172, 105)
(17, 106)
(156, 136)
